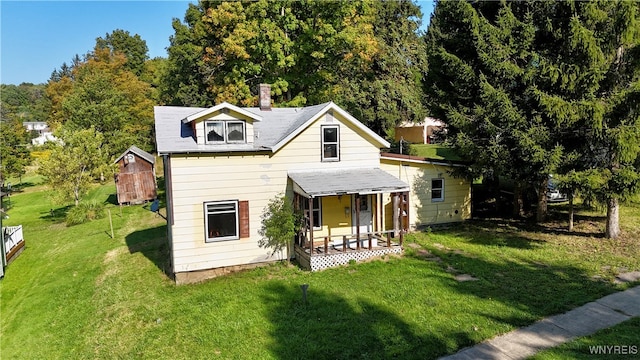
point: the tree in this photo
(521, 83)
(364, 55)
(14, 151)
(73, 163)
(104, 95)
(133, 47)
(278, 226)
(481, 82)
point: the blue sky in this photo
(36, 37)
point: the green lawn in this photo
(624, 336)
(77, 293)
(435, 152)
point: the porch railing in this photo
(366, 240)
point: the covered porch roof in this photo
(314, 183)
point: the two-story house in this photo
(223, 164)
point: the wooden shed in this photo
(136, 179)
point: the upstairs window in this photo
(331, 143)
(437, 190)
(218, 132)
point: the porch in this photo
(346, 217)
(339, 250)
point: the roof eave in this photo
(225, 105)
(332, 106)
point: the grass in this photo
(624, 336)
(435, 152)
(77, 293)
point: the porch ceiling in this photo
(345, 181)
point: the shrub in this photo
(84, 212)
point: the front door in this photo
(366, 215)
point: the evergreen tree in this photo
(526, 88)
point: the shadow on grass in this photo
(112, 199)
(329, 327)
(152, 243)
(56, 215)
(19, 187)
(541, 288)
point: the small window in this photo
(235, 131)
(330, 143)
(221, 220)
(225, 132)
(437, 189)
(316, 212)
(215, 131)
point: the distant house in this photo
(136, 179)
(418, 133)
(42, 130)
(223, 164)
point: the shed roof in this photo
(274, 129)
(141, 153)
(346, 181)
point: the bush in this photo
(85, 212)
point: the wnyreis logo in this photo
(613, 350)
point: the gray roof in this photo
(275, 125)
(141, 153)
(346, 181)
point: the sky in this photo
(37, 37)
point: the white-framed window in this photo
(219, 132)
(437, 189)
(221, 220)
(235, 131)
(316, 212)
(330, 143)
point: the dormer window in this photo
(220, 132)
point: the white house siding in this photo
(424, 211)
(256, 178)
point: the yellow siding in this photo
(423, 211)
(334, 219)
(256, 178)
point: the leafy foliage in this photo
(85, 212)
(363, 55)
(14, 152)
(133, 47)
(104, 95)
(278, 225)
(72, 165)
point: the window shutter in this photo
(243, 209)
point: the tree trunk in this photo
(613, 218)
(570, 211)
(541, 211)
(518, 203)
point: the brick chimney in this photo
(264, 97)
